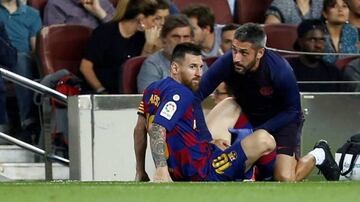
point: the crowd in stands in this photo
(152, 28)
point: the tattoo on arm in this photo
(157, 135)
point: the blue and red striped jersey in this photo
(173, 106)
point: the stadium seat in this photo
(281, 36)
(62, 46)
(341, 63)
(220, 8)
(251, 12)
(39, 5)
(130, 70)
(210, 60)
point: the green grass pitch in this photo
(183, 192)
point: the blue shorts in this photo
(227, 165)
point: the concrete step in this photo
(15, 154)
(31, 171)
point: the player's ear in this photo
(174, 68)
(260, 53)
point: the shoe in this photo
(329, 167)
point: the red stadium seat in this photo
(341, 63)
(62, 46)
(220, 8)
(251, 11)
(130, 70)
(210, 60)
(38, 4)
(281, 36)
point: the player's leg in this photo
(258, 144)
(288, 168)
(223, 116)
(285, 168)
(232, 163)
(320, 156)
(287, 149)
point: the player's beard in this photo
(242, 69)
(193, 83)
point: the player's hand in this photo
(162, 175)
(222, 144)
(141, 176)
(94, 7)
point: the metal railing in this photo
(44, 90)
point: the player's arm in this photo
(157, 135)
(140, 144)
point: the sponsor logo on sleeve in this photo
(168, 110)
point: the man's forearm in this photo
(140, 143)
(157, 135)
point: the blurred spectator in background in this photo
(177, 29)
(220, 93)
(207, 34)
(113, 43)
(293, 11)
(354, 15)
(162, 12)
(78, 12)
(227, 35)
(22, 23)
(352, 73)
(311, 38)
(8, 57)
(342, 37)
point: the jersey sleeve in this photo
(173, 107)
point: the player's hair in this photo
(129, 9)
(175, 21)
(204, 15)
(252, 33)
(182, 49)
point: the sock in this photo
(319, 155)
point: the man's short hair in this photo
(202, 13)
(252, 33)
(175, 21)
(182, 49)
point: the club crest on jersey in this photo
(266, 91)
(168, 110)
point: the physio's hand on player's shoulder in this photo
(142, 176)
(221, 143)
(162, 175)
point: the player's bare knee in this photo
(284, 177)
(266, 141)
